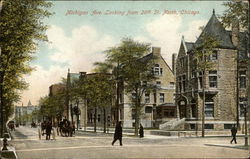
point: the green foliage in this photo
(236, 9)
(52, 106)
(130, 69)
(97, 89)
(204, 50)
(21, 29)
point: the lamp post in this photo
(245, 116)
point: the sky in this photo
(80, 31)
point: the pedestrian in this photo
(48, 130)
(118, 133)
(234, 132)
(141, 131)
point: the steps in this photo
(175, 124)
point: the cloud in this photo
(77, 52)
(194, 31)
(81, 50)
(40, 80)
(165, 32)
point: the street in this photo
(86, 145)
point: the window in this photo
(147, 98)
(161, 97)
(169, 113)
(228, 126)
(209, 126)
(209, 107)
(148, 109)
(172, 83)
(214, 55)
(157, 70)
(213, 79)
(192, 126)
(242, 79)
(158, 83)
(182, 61)
(184, 83)
(242, 102)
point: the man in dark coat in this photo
(118, 133)
(141, 131)
(48, 130)
(234, 132)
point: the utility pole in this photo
(117, 93)
(245, 115)
(204, 97)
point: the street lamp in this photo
(245, 116)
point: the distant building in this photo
(23, 113)
(225, 98)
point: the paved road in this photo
(87, 145)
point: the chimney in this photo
(174, 63)
(235, 32)
(156, 51)
(82, 74)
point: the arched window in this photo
(157, 70)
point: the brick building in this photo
(226, 83)
(158, 105)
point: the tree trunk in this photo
(95, 120)
(1, 103)
(203, 103)
(104, 121)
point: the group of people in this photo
(65, 128)
(118, 133)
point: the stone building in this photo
(158, 106)
(226, 82)
(23, 113)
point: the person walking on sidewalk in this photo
(48, 130)
(234, 132)
(118, 133)
(141, 131)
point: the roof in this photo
(216, 29)
(189, 46)
(242, 43)
(147, 57)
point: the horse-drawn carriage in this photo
(66, 128)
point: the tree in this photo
(236, 9)
(130, 69)
(202, 52)
(22, 28)
(97, 90)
